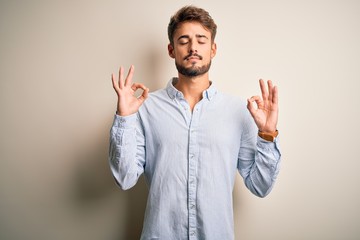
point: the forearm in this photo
(264, 170)
(259, 164)
(127, 151)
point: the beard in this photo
(192, 71)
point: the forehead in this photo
(191, 29)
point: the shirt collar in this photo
(173, 92)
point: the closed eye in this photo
(202, 39)
(183, 42)
(184, 39)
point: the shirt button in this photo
(192, 206)
(192, 233)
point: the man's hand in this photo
(266, 113)
(128, 103)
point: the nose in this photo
(193, 47)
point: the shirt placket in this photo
(192, 180)
(192, 120)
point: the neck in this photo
(193, 87)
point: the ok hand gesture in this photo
(266, 113)
(128, 103)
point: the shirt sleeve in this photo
(127, 150)
(258, 161)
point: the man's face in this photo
(192, 50)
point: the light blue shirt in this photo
(190, 160)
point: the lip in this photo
(193, 58)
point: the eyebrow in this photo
(197, 36)
(201, 36)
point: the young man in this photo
(190, 140)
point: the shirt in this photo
(190, 159)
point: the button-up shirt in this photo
(190, 160)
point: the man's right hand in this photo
(128, 103)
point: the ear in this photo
(171, 50)
(213, 50)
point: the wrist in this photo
(124, 113)
(268, 136)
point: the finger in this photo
(275, 95)
(144, 95)
(128, 80)
(114, 83)
(250, 106)
(121, 77)
(271, 89)
(258, 102)
(136, 86)
(264, 91)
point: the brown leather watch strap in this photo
(268, 136)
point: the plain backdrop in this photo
(57, 105)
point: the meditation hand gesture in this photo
(128, 103)
(266, 113)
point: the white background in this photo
(57, 106)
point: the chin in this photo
(193, 70)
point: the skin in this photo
(191, 39)
(193, 49)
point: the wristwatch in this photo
(268, 136)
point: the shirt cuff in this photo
(125, 122)
(264, 144)
(272, 147)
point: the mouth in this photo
(193, 57)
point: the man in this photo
(190, 140)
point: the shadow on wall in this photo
(93, 185)
(137, 197)
(154, 68)
(93, 179)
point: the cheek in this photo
(178, 52)
(207, 52)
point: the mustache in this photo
(193, 55)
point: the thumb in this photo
(250, 106)
(144, 95)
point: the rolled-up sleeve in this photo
(127, 150)
(258, 162)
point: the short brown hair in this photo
(191, 13)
